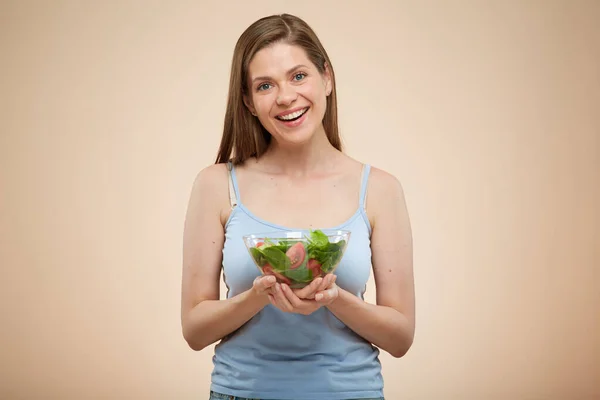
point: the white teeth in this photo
(293, 115)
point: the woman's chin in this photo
(294, 136)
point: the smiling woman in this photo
(277, 61)
(280, 166)
(300, 90)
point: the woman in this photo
(281, 166)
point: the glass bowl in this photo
(297, 257)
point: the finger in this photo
(323, 284)
(327, 282)
(326, 295)
(268, 281)
(272, 300)
(282, 299)
(309, 290)
(262, 283)
(291, 296)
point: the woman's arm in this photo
(204, 318)
(390, 324)
(211, 320)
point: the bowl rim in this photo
(285, 234)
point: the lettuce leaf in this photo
(326, 253)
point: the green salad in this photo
(298, 261)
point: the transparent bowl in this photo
(297, 257)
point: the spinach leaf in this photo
(327, 259)
(300, 274)
(286, 244)
(258, 256)
(282, 246)
(327, 254)
(276, 257)
(331, 261)
(318, 238)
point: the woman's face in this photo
(287, 93)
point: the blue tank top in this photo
(285, 356)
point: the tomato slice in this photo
(296, 254)
(268, 270)
(315, 267)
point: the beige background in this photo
(488, 112)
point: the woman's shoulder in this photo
(212, 175)
(210, 188)
(381, 179)
(384, 190)
(380, 182)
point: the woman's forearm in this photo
(211, 320)
(383, 326)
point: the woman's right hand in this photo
(264, 284)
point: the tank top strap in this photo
(366, 169)
(233, 186)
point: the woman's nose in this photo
(286, 95)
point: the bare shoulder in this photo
(211, 176)
(380, 179)
(210, 189)
(385, 191)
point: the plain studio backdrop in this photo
(487, 111)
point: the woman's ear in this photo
(327, 79)
(249, 105)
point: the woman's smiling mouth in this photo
(292, 116)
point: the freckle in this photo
(390, 270)
(213, 242)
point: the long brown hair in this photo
(243, 134)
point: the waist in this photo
(279, 354)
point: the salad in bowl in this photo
(297, 257)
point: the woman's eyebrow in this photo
(289, 71)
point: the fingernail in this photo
(318, 297)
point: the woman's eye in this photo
(299, 76)
(264, 86)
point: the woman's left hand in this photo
(304, 301)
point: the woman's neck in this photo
(302, 159)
